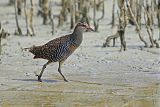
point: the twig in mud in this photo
(108, 39)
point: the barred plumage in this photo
(60, 48)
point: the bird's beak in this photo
(89, 29)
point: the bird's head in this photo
(83, 27)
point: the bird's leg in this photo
(59, 70)
(40, 75)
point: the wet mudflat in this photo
(83, 95)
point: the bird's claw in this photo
(39, 78)
(65, 80)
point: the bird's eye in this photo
(83, 25)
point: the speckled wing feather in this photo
(55, 50)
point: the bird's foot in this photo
(39, 78)
(65, 80)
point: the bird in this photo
(59, 49)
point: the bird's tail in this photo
(25, 49)
(30, 49)
(36, 50)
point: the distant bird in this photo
(59, 49)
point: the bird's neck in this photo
(77, 36)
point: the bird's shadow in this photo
(35, 80)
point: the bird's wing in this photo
(55, 43)
(50, 50)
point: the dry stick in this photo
(31, 18)
(19, 6)
(158, 16)
(77, 10)
(137, 26)
(0, 39)
(102, 12)
(72, 11)
(152, 12)
(149, 33)
(139, 10)
(121, 33)
(45, 10)
(11, 2)
(51, 19)
(26, 19)
(3, 34)
(84, 15)
(52, 23)
(96, 22)
(39, 8)
(113, 17)
(0, 44)
(120, 3)
(61, 18)
(16, 17)
(108, 39)
(159, 25)
(121, 30)
(149, 10)
(155, 5)
(148, 26)
(40, 3)
(94, 16)
(65, 9)
(122, 25)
